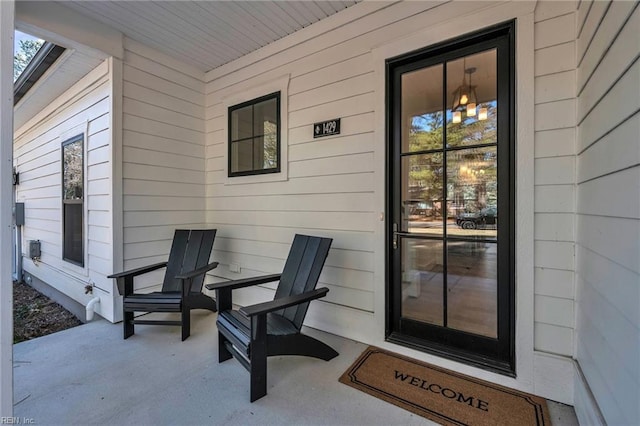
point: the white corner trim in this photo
(585, 404)
(117, 209)
(451, 27)
(240, 95)
(7, 9)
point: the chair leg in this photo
(223, 352)
(301, 344)
(258, 369)
(202, 301)
(127, 317)
(186, 322)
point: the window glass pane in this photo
(241, 123)
(422, 281)
(267, 157)
(242, 156)
(72, 174)
(254, 143)
(472, 106)
(422, 177)
(472, 287)
(422, 115)
(265, 119)
(73, 232)
(472, 192)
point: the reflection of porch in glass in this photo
(471, 286)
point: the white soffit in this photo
(64, 73)
(207, 34)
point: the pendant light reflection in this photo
(471, 110)
(465, 93)
(465, 99)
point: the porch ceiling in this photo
(207, 34)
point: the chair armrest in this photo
(196, 272)
(138, 271)
(284, 302)
(244, 282)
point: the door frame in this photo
(501, 38)
(450, 24)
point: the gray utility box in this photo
(18, 213)
(34, 249)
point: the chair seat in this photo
(238, 327)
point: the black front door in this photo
(450, 201)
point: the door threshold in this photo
(463, 357)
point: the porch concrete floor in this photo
(90, 375)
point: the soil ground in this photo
(35, 315)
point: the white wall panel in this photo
(608, 208)
(163, 155)
(555, 171)
(82, 108)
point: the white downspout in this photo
(91, 307)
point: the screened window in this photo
(254, 136)
(73, 200)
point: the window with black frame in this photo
(254, 137)
(73, 200)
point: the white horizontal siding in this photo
(330, 180)
(163, 156)
(555, 171)
(608, 207)
(330, 186)
(37, 153)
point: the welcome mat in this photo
(441, 395)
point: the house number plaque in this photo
(326, 128)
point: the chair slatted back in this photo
(190, 250)
(301, 273)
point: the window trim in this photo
(67, 141)
(275, 95)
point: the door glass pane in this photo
(422, 177)
(422, 114)
(472, 287)
(472, 106)
(472, 193)
(422, 281)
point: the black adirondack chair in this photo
(253, 333)
(182, 287)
